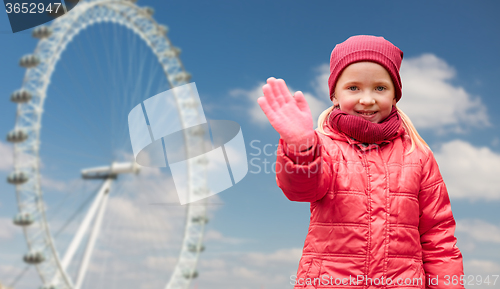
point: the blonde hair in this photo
(407, 124)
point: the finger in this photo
(274, 83)
(266, 108)
(301, 102)
(284, 91)
(270, 97)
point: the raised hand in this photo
(289, 115)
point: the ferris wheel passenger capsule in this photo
(200, 219)
(197, 130)
(203, 161)
(168, 53)
(201, 191)
(183, 76)
(177, 51)
(17, 178)
(149, 10)
(29, 61)
(190, 103)
(190, 274)
(21, 96)
(41, 32)
(23, 219)
(34, 257)
(162, 29)
(172, 52)
(17, 135)
(193, 248)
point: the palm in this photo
(289, 115)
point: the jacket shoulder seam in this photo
(438, 182)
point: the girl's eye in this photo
(380, 88)
(353, 88)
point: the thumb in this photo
(301, 101)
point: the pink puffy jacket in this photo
(379, 218)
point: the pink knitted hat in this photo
(366, 48)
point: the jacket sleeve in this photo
(303, 176)
(441, 258)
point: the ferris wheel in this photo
(112, 200)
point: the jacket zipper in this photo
(368, 194)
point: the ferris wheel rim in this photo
(37, 81)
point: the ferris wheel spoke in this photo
(88, 74)
(75, 243)
(96, 61)
(74, 215)
(91, 242)
(97, 207)
(107, 227)
(58, 207)
(18, 277)
(85, 97)
(150, 80)
(74, 128)
(117, 54)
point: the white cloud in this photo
(245, 273)
(6, 159)
(109, 272)
(7, 229)
(282, 256)
(251, 269)
(317, 105)
(49, 184)
(481, 274)
(9, 273)
(432, 102)
(155, 262)
(468, 171)
(256, 114)
(320, 82)
(217, 236)
(213, 263)
(479, 230)
(138, 224)
(495, 141)
(481, 267)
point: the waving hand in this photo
(289, 115)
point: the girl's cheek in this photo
(350, 104)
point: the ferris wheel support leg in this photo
(91, 242)
(75, 243)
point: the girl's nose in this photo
(367, 99)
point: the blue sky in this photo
(450, 78)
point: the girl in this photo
(380, 212)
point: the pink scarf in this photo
(363, 130)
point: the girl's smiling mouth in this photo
(365, 112)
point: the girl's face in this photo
(365, 89)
